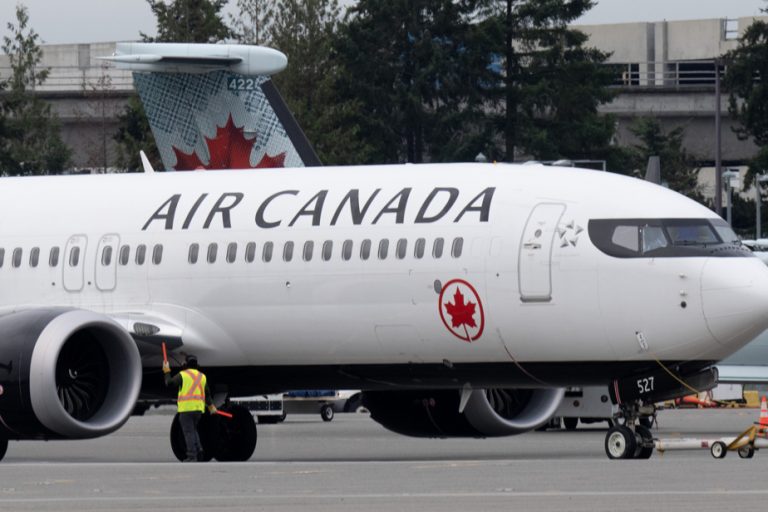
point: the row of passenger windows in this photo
(365, 250)
(326, 250)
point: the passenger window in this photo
(402, 247)
(437, 248)
(309, 247)
(288, 251)
(34, 257)
(194, 252)
(157, 254)
(2, 257)
(250, 252)
(266, 254)
(74, 257)
(213, 249)
(106, 256)
(418, 250)
(16, 261)
(365, 249)
(53, 258)
(457, 247)
(231, 252)
(327, 250)
(346, 250)
(125, 255)
(141, 254)
(383, 249)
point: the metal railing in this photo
(677, 74)
(102, 78)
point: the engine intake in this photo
(66, 374)
(488, 412)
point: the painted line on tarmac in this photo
(427, 495)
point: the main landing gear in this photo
(224, 439)
(633, 439)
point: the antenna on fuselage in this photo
(145, 163)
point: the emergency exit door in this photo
(535, 258)
(74, 262)
(106, 262)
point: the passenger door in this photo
(534, 262)
(106, 262)
(74, 263)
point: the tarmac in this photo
(353, 464)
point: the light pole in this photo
(730, 178)
(762, 178)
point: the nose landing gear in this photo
(225, 439)
(633, 439)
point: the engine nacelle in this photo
(65, 374)
(487, 413)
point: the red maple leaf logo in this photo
(229, 149)
(461, 313)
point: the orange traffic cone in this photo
(763, 413)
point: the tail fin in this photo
(214, 106)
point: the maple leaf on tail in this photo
(461, 313)
(228, 149)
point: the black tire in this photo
(326, 412)
(236, 436)
(204, 430)
(282, 417)
(645, 445)
(3, 447)
(354, 403)
(620, 443)
(747, 452)
(718, 450)
(570, 423)
(269, 420)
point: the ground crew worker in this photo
(193, 397)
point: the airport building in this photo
(665, 69)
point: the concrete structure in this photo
(664, 69)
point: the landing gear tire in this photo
(3, 447)
(326, 412)
(645, 445)
(236, 436)
(207, 438)
(747, 452)
(570, 423)
(718, 450)
(620, 443)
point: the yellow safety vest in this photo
(192, 391)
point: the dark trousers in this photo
(189, 421)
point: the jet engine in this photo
(486, 412)
(65, 374)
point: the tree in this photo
(409, 80)
(748, 91)
(188, 21)
(31, 142)
(134, 135)
(547, 84)
(252, 23)
(678, 169)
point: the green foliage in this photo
(30, 140)
(188, 21)
(678, 168)
(134, 135)
(252, 23)
(548, 85)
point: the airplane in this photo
(461, 298)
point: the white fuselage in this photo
(548, 294)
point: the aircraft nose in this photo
(734, 296)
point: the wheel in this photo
(645, 444)
(620, 443)
(747, 451)
(570, 423)
(326, 412)
(3, 447)
(204, 430)
(236, 436)
(718, 450)
(282, 417)
(354, 403)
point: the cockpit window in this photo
(664, 238)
